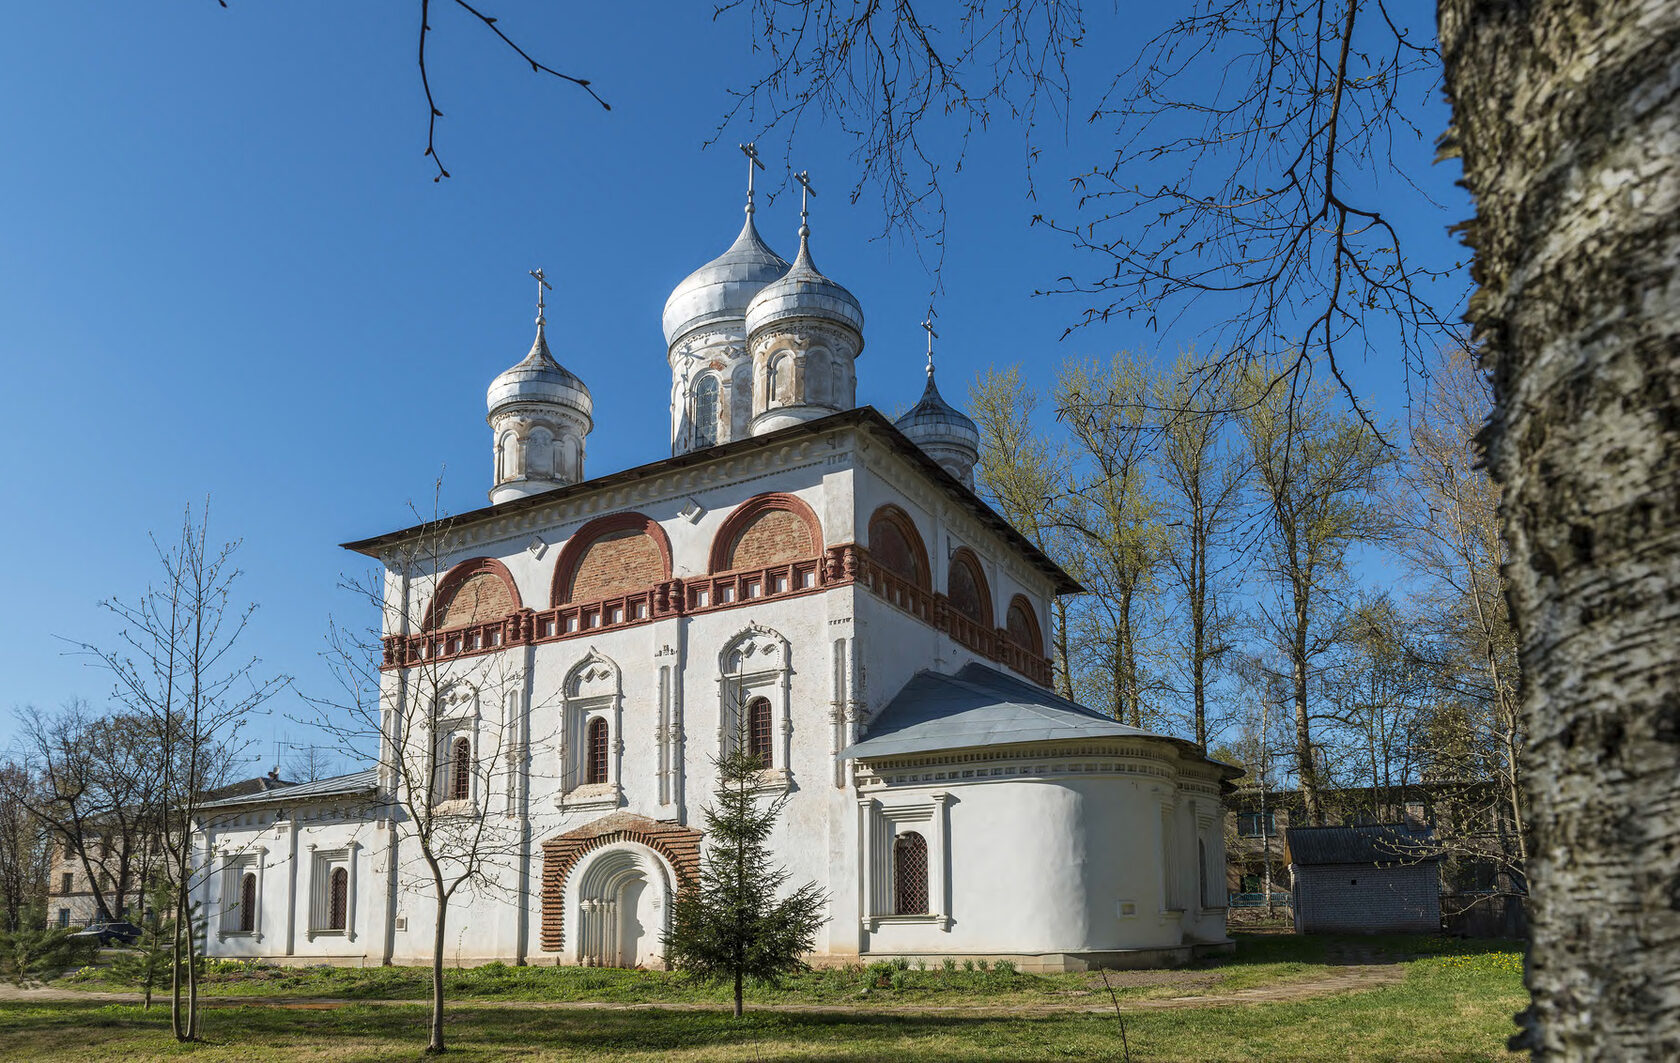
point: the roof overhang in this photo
(866, 418)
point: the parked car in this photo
(108, 934)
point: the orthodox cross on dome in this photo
(931, 336)
(541, 284)
(751, 152)
(804, 179)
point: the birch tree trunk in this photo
(1567, 117)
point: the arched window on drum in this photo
(706, 411)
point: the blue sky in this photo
(225, 271)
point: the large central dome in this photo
(721, 289)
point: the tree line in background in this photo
(1272, 576)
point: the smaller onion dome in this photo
(721, 289)
(803, 292)
(943, 432)
(540, 379)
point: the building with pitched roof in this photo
(562, 669)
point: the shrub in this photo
(1004, 967)
(948, 965)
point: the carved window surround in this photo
(881, 821)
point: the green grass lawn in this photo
(1454, 1003)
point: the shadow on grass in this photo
(1337, 950)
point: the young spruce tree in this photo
(729, 922)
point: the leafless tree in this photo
(178, 665)
(450, 727)
(1252, 153)
(311, 763)
(100, 792)
(25, 846)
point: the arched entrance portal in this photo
(622, 901)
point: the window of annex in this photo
(590, 746)
(754, 677)
(332, 891)
(906, 856)
(910, 874)
(241, 893)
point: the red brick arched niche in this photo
(1021, 624)
(473, 592)
(768, 529)
(896, 545)
(679, 845)
(610, 556)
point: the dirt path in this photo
(1345, 979)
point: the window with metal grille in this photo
(338, 898)
(910, 874)
(460, 780)
(758, 732)
(706, 411)
(248, 902)
(596, 769)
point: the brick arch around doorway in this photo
(680, 846)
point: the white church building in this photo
(562, 667)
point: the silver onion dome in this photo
(803, 292)
(934, 423)
(721, 289)
(540, 379)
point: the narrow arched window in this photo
(460, 770)
(759, 732)
(247, 902)
(706, 411)
(1202, 870)
(910, 874)
(338, 898)
(596, 770)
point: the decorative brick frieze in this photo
(679, 845)
(838, 566)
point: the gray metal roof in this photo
(539, 378)
(721, 289)
(357, 782)
(933, 420)
(980, 706)
(803, 291)
(1380, 843)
